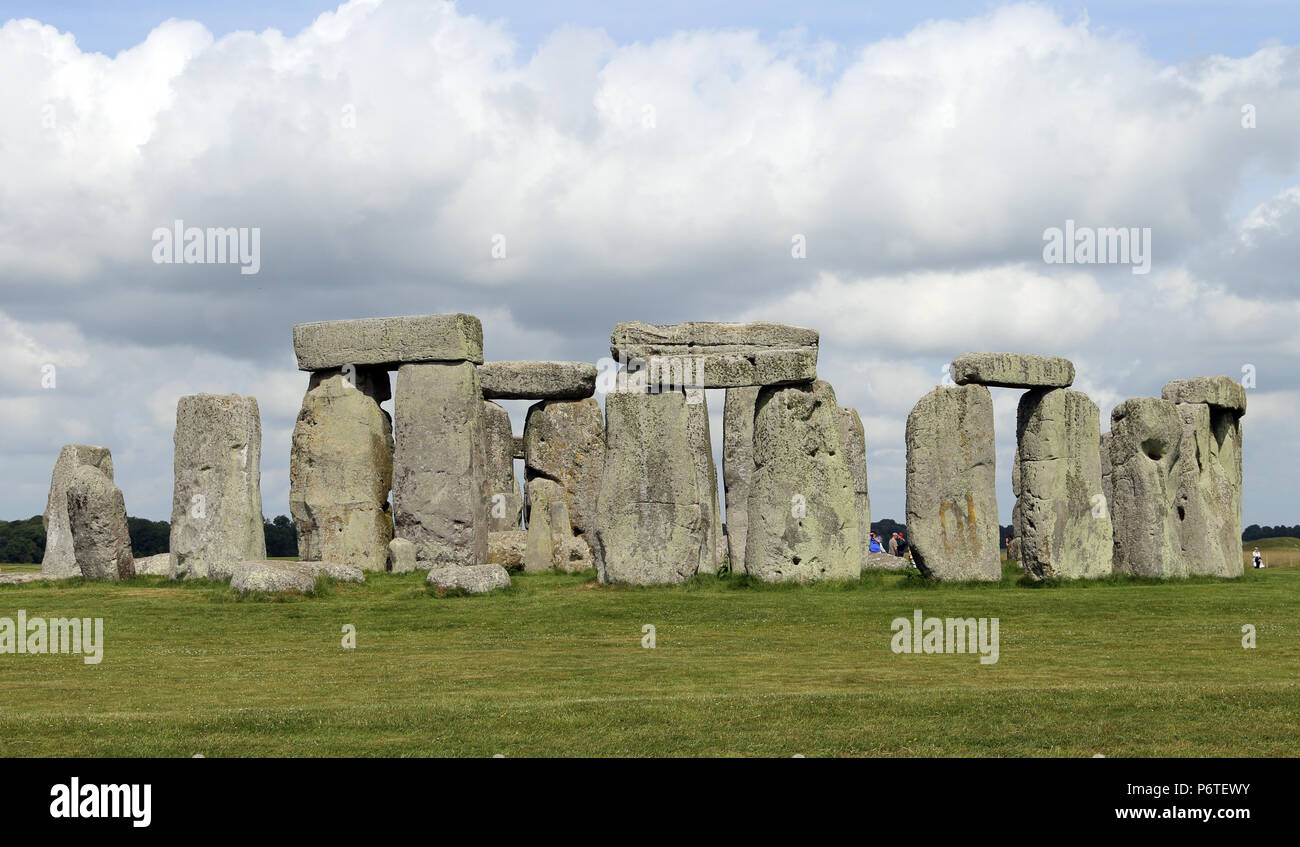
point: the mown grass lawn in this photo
(555, 666)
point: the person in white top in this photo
(1259, 559)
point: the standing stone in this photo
(539, 549)
(401, 556)
(217, 500)
(1145, 449)
(706, 477)
(1107, 486)
(564, 441)
(738, 468)
(440, 466)
(1061, 516)
(505, 505)
(97, 524)
(952, 510)
(1177, 483)
(1208, 506)
(60, 559)
(341, 470)
(804, 523)
(853, 438)
(649, 526)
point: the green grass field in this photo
(555, 666)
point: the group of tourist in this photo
(897, 545)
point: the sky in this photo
(660, 163)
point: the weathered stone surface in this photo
(217, 499)
(22, 578)
(507, 549)
(649, 527)
(517, 447)
(1177, 488)
(1145, 448)
(341, 469)
(97, 523)
(884, 561)
(804, 523)
(1061, 517)
(388, 342)
(440, 467)
(60, 561)
(537, 380)
(539, 551)
(505, 504)
(401, 556)
(952, 510)
(1220, 392)
(706, 478)
(159, 565)
(853, 440)
(1208, 505)
(270, 577)
(474, 579)
(574, 555)
(638, 339)
(738, 468)
(1107, 486)
(1012, 370)
(717, 355)
(564, 440)
(336, 571)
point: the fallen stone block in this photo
(270, 577)
(537, 380)
(474, 579)
(1012, 370)
(388, 342)
(159, 565)
(507, 549)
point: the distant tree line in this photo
(1254, 532)
(23, 542)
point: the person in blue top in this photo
(875, 546)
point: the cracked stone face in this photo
(952, 510)
(1062, 522)
(804, 524)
